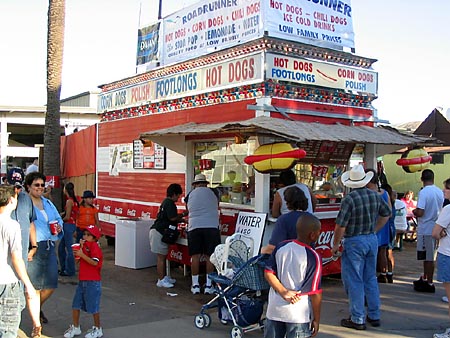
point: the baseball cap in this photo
(94, 231)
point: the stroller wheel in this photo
(202, 320)
(236, 332)
(207, 319)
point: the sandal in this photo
(43, 318)
(36, 333)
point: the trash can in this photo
(132, 247)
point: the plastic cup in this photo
(53, 227)
(76, 247)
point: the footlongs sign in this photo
(322, 74)
(318, 22)
(209, 26)
(241, 71)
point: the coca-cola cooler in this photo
(132, 247)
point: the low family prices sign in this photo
(251, 225)
(322, 74)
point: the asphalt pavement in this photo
(132, 306)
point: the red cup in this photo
(53, 227)
(76, 247)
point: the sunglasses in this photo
(37, 185)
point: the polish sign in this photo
(241, 71)
(322, 74)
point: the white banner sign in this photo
(322, 74)
(240, 71)
(209, 26)
(317, 22)
(252, 224)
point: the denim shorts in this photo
(443, 268)
(43, 269)
(87, 296)
(12, 301)
(276, 329)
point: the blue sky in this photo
(410, 39)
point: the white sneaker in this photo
(444, 299)
(162, 283)
(72, 331)
(95, 332)
(170, 280)
(209, 290)
(195, 289)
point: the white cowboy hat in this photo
(356, 177)
(200, 178)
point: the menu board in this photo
(326, 152)
(148, 155)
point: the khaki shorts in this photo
(426, 248)
(156, 245)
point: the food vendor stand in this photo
(205, 109)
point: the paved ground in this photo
(132, 306)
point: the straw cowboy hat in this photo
(200, 178)
(356, 177)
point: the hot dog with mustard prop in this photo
(274, 157)
(413, 160)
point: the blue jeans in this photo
(12, 302)
(276, 329)
(358, 272)
(65, 253)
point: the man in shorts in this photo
(429, 205)
(203, 231)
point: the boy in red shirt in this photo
(89, 290)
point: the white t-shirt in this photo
(400, 215)
(444, 221)
(10, 241)
(284, 209)
(430, 200)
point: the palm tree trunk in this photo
(52, 129)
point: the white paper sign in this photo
(252, 224)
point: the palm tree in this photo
(55, 47)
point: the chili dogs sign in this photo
(241, 71)
(315, 73)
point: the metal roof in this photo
(295, 131)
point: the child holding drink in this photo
(88, 292)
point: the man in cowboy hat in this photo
(202, 204)
(362, 213)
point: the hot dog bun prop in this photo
(414, 160)
(274, 157)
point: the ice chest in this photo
(132, 246)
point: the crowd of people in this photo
(30, 227)
(363, 237)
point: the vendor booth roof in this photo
(293, 130)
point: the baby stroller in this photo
(239, 281)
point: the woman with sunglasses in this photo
(43, 269)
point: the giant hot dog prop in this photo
(414, 160)
(274, 157)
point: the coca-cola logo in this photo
(145, 214)
(178, 255)
(325, 240)
(118, 211)
(131, 213)
(107, 208)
